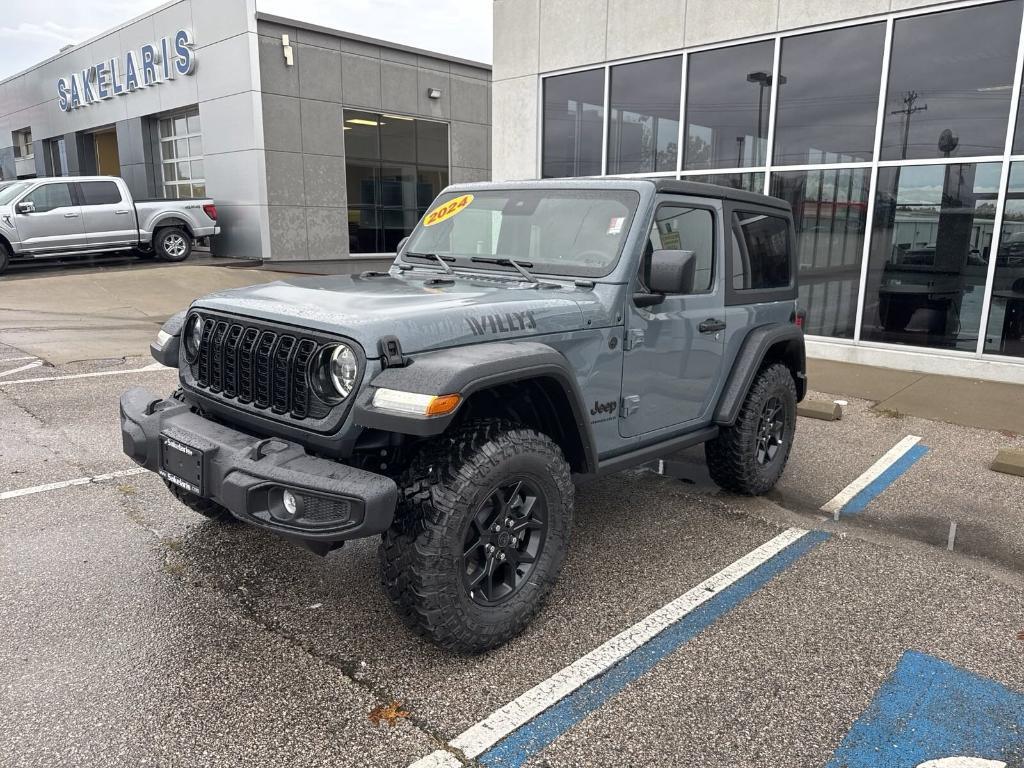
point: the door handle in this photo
(70, 215)
(119, 213)
(711, 325)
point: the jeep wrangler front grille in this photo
(259, 367)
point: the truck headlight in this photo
(334, 372)
(193, 337)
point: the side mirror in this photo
(672, 272)
(401, 244)
(26, 207)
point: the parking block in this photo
(1009, 461)
(820, 409)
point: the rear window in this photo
(761, 259)
(99, 193)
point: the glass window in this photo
(829, 211)
(1005, 333)
(567, 232)
(22, 143)
(181, 149)
(828, 96)
(394, 168)
(50, 196)
(643, 135)
(687, 229)
(950, 81)
(751, 182)
(928, 262)
(728, 97)
(99, 193)
(573, 124)
(761, 259)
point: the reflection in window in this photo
(573, 124)
(644, 129)
(761, 259)
(829, 210)
(950, 82)
(928, 262)
(828, 96)
(181, 154)
(751, 182)
(728, 97)
(676, 228)
(1005, 334)
(394, 168)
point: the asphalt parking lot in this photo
(689, 627)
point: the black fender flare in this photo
(466, 370)
(748, 362)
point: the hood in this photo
(424, 312)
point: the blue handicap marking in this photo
(929, 710)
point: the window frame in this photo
(164, 161)
(746, 296)
(79, 193)
(667, 201)
(72, 194)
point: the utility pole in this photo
(909, 98)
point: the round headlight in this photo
(344, 367)
(193, 337)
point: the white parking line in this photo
(873, 472)
(16, 359)
(68, 483)
(492, 729)
(36, 364)
(146, 369)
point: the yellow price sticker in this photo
(447, 210)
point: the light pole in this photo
(763, 80)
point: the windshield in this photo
(8, 193)
(577, 232)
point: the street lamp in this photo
(763, 80)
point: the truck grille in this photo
(259, 367)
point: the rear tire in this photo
(172, 244)
(208, 508)
(480, 535)
(749, 457)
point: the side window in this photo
(49, 196)
(676, 228)
(761, 256)
(99, 193)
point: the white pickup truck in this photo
(71, 215)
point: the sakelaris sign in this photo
(153, 63)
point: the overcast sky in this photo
(33, 31)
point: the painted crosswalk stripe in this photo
(523, 727)
(879, 476)
(18, 493)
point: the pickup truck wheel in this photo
(5, 257)
(480, 535)
(749, 457)
(206, 507)
(172, 244)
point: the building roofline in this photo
(286, 22)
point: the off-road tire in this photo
(5, 257)
(172, 244)
(420, 556)
(206, 507)
(732, 456)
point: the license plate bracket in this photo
(182, 465)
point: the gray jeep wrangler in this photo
(526, 333)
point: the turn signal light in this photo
(442, 405)
(415, 402)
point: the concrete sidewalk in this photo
(969, 402)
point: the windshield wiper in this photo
(436, 257)
(520, 266)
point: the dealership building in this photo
(314, 143)
(891, 126)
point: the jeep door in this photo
(55, 221)
(672, 367)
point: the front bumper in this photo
(247, 474)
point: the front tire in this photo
(480, 535)
(172, 244)
(749, 457)
(5, 257)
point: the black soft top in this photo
(671, 186)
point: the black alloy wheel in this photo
(771, 430)
(503, 542)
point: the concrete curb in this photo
(1010, 462)
(820, 409)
